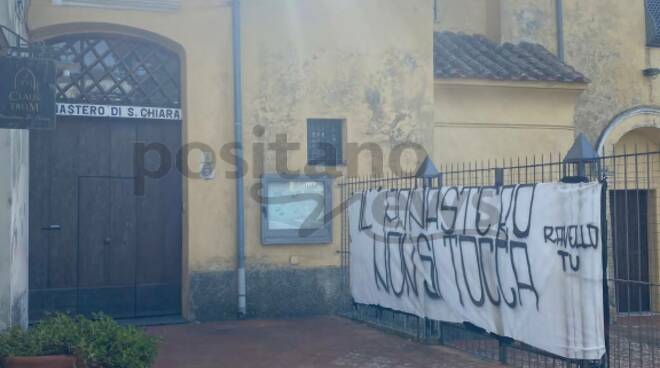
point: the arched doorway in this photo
(625, 122)
(634, 202)
(644, 139)
(97, 242)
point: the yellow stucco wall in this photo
(604, 39)
(610, 49)
(481, 120)
(301, 59)
(529, 21)
(471, 16)
(500, 20)
(334, 59)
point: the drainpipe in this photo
(238, 139)
(559, 12)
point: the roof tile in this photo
(462, 56)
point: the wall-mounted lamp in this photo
(651, 72)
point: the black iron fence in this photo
(632, 287)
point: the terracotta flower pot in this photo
(52, 361)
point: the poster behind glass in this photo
(296, 205)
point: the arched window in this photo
(114, 69)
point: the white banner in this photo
(114, 111)
(522, 261)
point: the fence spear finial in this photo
(428, 172)
(582, 150)
(580, 153)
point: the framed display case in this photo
(296, 209)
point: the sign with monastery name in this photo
(27, 93)
(521, 261)
(115, 111)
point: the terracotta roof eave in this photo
(484, 82)
(458, 55)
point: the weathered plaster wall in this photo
(529, 21)
(368, 62)
(334, 59)
(482, 120)
(479, 120)
(605, 40)
(500, 20)
(469, 16)
(610, 49)
(14, 187)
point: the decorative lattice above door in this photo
(112, 69)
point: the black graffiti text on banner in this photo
(492, 256)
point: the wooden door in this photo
(96, 246)
(629, 209)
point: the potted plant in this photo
(64, 342)
(49, 361)
(48, 344)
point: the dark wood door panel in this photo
(94, 229)
(123, 137)
(114, 301)
(112, 251)
(46, 301)
(63, 149)
(94, 148)
(107, 246)
(159, 221)
(120, 254)
(158, 300)
(53, 219)
(62, 232)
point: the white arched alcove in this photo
(627, 121)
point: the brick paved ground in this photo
(309, 343)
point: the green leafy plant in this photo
(106, 344)
(52, 336)
(98, 342)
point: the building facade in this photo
(133, 197)
(614, 43)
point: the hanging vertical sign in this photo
(27, 93)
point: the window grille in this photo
(325, 142)
(109, 69)
(653, 23)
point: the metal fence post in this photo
(580, 154)
(439, 180)
(502, 353)
(499, 176)
(606, 290)
(428, 173)
(441, 332)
